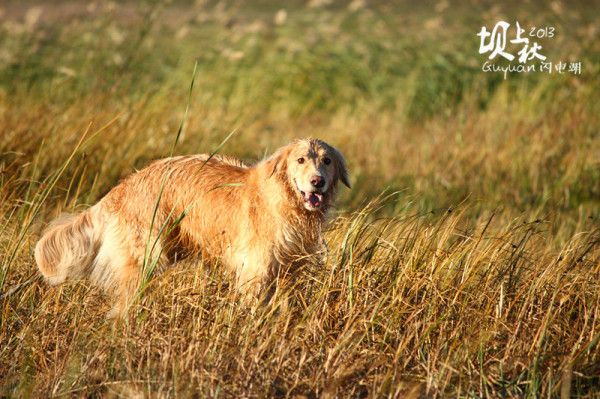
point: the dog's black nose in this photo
(317, 181)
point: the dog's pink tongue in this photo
(315, 199)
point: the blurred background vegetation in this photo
(398, 87)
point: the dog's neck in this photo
(298, 232)
(301, 234)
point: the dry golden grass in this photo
(476, 273)
(403, 305)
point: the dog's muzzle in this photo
(312, 199)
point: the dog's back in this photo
(143, 219)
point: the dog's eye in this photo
(327, 161)
(300, 160)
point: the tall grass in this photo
(475, 273)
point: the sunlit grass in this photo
(475, 273)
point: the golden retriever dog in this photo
(254, 220)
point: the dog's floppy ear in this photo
(277, 161)
(341, 168)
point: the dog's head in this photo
(311, 169)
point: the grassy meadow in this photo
(464, 261)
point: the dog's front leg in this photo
(251, 274)
(322, 252)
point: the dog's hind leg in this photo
(118, 264)
(127, 284)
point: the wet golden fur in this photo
(255, 220)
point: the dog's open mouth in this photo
(314, 199)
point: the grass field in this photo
(465, 261)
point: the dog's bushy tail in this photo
(67, 248)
